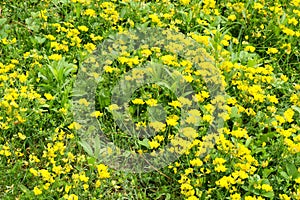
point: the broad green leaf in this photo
(144, 143)
(24, 188)
(268, 194)
(2, 21)
(296, 108)
(292, 170)
(87, 148)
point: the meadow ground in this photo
(195, 99)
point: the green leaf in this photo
(248, 141)
(144, 143)
(266, 172)
(234, 113)
(251, 63)
(32, 24)
(296, 108)
(97, 146)
(24, 188)
(91, 160)
(87, 148)
(2, 21)
(267, 137)
(292, 170)
(284, 175)
(40, 40)
(268, 194)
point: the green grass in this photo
(252, 47)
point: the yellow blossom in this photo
(138, 101)
(103, 171)
(153, 144)
(55, 57)
(231, 17)
(37, 190)
(49, 96)
(21, 136)
(272, 51)
(175, 104)
(90, 12)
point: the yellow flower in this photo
(46, 186)
(37, 191)
(264, 164)
(103, 171)
(83, 102)
(138, 101)
(225, 181)
(284, 197)
(158, 126)
(272, 98)
(151, 102)
(250, 198)
(288, 115)
(172, 120)
(113, 107)
(187, 189)
(188, 78)
(272, 51)
(189, 132)
(196, 162)
(208, 118)
(185, 2)
(239, 133)
(97, 184)
(249, 48)
(90, 12)
(21, 136)
(85, 186)
(293, 21)
(153, 144)
(219, 161)
(71, 197)
(235, 196)
(224, 42)
(284, 78)
(4, 41)
(26, 55)
(258, 6)
(42, 14)
(96, 114)
(49, 37)
(159, 138)
(75, 126)
(55, 57)
(83, 177)
(90, 47)
(95, 38)
(266, 187)
(294, 99)
(57, 169)
(184, 101)
(63, 111)
(220, 168)
(231, 17)
(33, 171)
(175, 104)
(192, 198)
(83, 28)
(49, 96)
(154, 18)
(146, 52)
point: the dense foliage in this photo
(253, 44)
